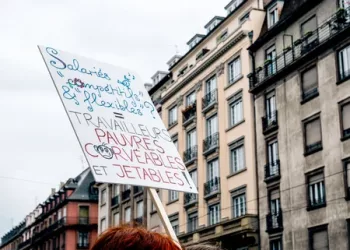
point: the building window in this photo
(212, 125)
(190, 99)
(347, 178)
(308, 32)
(234, 70)
(235, 110)
(272, 16)
(345, 120)
(192, 221)
(176, 143)
(191, 139)
(239, 202)
(270, 61)
(309, 83)
(103, 225)
(173, 195)
(210, 85)
(194, 177)
(139, 209)
(276, 244)
(318, 238)
(116, 219)
(234, 5)
(244, 18)
(83, 214)
(116, 190)
(83, 239)
(316, 191)
(313, 136)
(213, 169)
(103, 196)
(237, 156)
(275, 201)
(214, 214)
(174, 221)
(344, 63)
(172, 116)
(127, 214)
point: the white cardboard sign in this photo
(119, 130)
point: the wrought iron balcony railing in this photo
(310, 41)
(189, 112)
(272, 169)
(270, 121)
(211, 141)
(191, 154)
(274, 222)
(212, 186)
(210, 98)
(115, 201)
(190, 198)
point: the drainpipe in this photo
(250, 35)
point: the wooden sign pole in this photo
(163, 216)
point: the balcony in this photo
(302, 50)
(138, 189)
(211, 143)
(212, 187)
(83, 246)
(209, 100)
(190, 199)
(126, 194)
(115, 201)
(270, 122)
(24, 244)
(313, 148)
(190, 155)
(274, 222)
(83, 220)
(189, 114)
(272, 171)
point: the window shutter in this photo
(309, 79)
(320, 240)
(313, 132)
(346, 116)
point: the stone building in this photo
(301, 90)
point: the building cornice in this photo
(240, 36)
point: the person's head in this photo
(133, 238)
(202, 247)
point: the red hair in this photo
(133, 238)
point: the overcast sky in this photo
(38, 148)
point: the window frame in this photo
(171, 194)
(273, 8)
(230, 64)
(194, 130)
(339, 79)
(209, 214)
(103, 219)
(103, 197)
(190, 217)
(172, 218)
(274, 240)
(187, 103)
(234, 194)
(308, 177)
(233, 146)
(171, 122)
(303, 99)
(304, 124)
(345, 162)
(114, 215)
(125, 209)
(341, 104)
(233, 101)
(313, 230)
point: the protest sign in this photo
(120, 132)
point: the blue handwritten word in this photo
(61, 65)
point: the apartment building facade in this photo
(67, 220)
(206, 105)
(301, 90)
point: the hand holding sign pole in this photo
(122, 136)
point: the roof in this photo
(160, 83)
(220, 18)
(194, 37)
(83, 190)
(159, 72)
(209, 33)
(292, 11)
(12, 234)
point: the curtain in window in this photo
(346, 116)
(313, 132)
(309, 80)
(320, 240)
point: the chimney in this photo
(53, 191)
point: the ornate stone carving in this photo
(180, 100)
(220, 69)
(198, 86)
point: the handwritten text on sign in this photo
(119, 130)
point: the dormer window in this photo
(272, 16)
(213, 23)
(234, 4)
(183, 71)
(195, 40)
(173, 60)
(158, 76)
